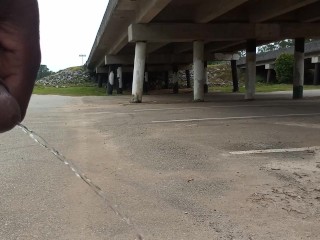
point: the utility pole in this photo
(82, 57)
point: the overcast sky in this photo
(68, 28)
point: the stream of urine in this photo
(78, 173)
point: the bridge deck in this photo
(112, 38)
(312, 49)
(169, 34)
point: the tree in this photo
(44, 72)
(276, 46)
(287, 43)
(284, 68)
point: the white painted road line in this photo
(305, 149)
(236, 118)
(218, 106)
(165, 109)
(303, 125)
(101, 113)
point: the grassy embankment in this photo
(219, 74)
(94, 91)
(263, 88)
(70, 91)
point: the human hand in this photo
(19, 58)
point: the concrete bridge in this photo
(143, 36)
(266, 60)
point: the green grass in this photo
(95, 91)
(263, 88)
(70, 91)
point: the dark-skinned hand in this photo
(19, 58)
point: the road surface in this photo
(176, 169)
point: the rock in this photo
(69, 76)
(218, 75)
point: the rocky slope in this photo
(218, 75)
(69, 76)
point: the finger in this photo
(20, 54)
(9, 109)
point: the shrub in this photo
(260, 78)
(284, 68)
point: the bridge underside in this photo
(161, 35)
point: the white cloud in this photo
(68, 28)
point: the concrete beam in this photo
(159, 68)
(104, 70)
(315, 59)
(168, 58)
(269, 66)
(266, 10)
(119, 44)
(183, 47)
(148, 9)
(309, 13)
(223, 56)
(152, 47)
(127, 5)
(101, 32)
(218, 46)
(205, 13)
(101, 63)
(184, 67)
(210, 47)
(154, 68)
(127, 69)
(181, 32)
(312, 49)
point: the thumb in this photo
(9, 109)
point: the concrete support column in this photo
(138, 72)
(146, 82)
(166, 80)
(198, 66)
(100, 80)
(235, 76)
(251, 70)
(269, 73)
(120, 80)
(188, 76)
(206, 84)
(316, 80)
(111, 81)
(175, 80)
(298, 75)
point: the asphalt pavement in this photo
(172, 168)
